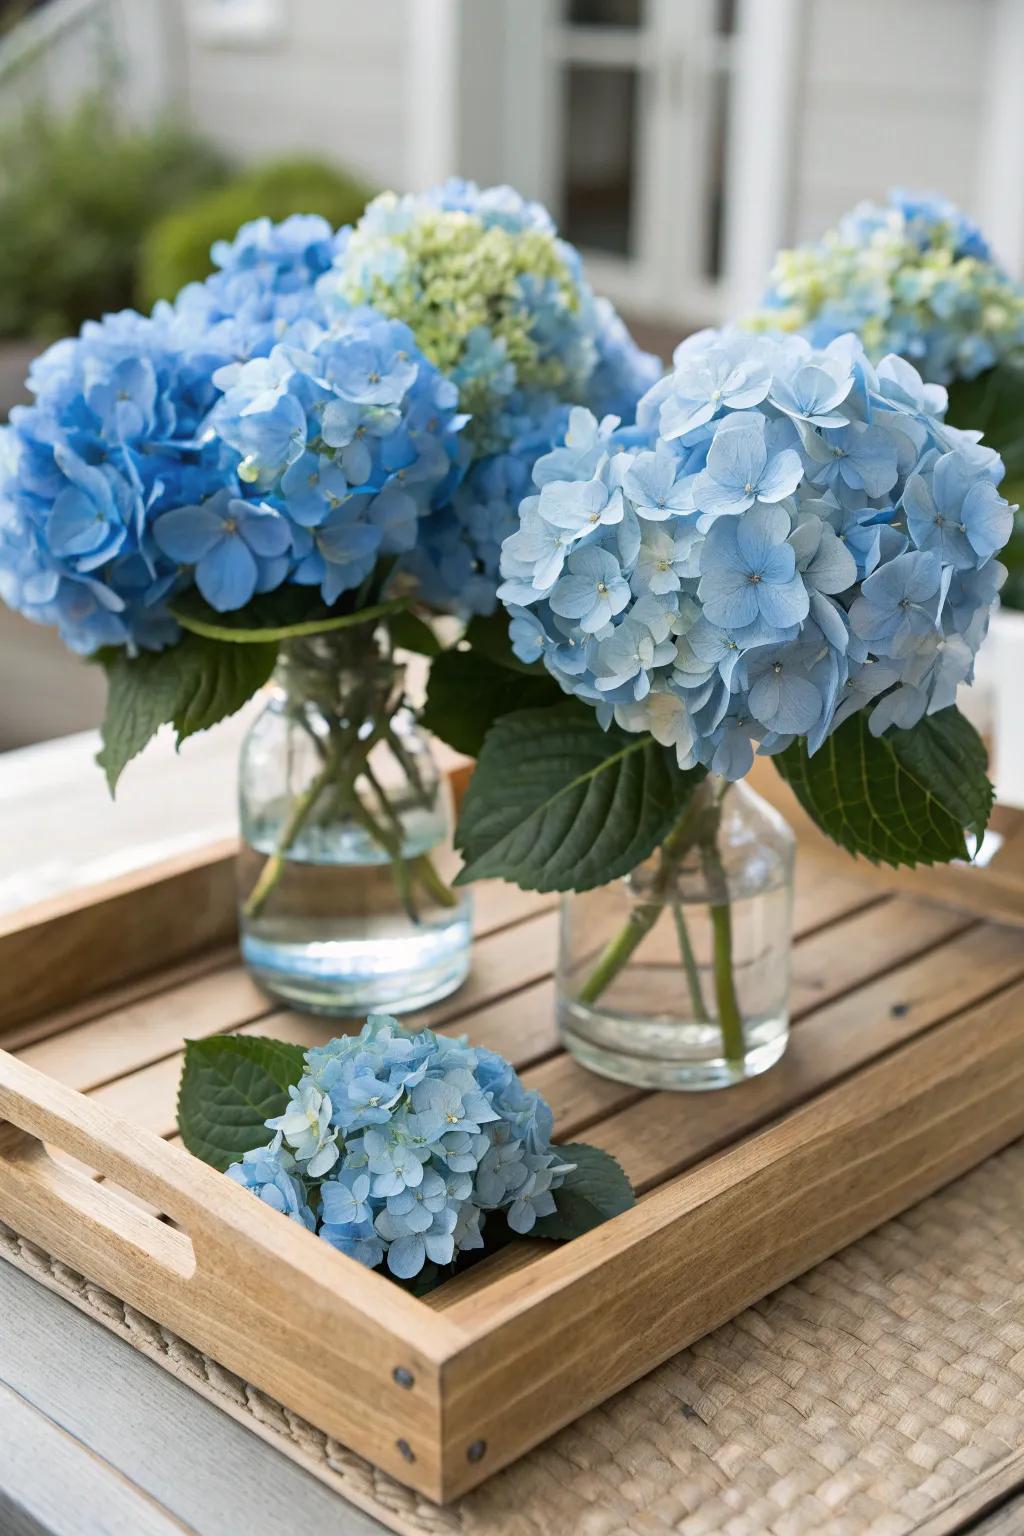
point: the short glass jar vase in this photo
(345, 819)
(677, 976)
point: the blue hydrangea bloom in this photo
(502, 307)
(350, 435)
(912, 277)
(271, 1172)
(269, 428)
(788, 535)
(495, 300)
(265, 281)
(116, 437)
(405, 1144)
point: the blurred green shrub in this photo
(77, 194)
(177, 249)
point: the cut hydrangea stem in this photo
(273, 869)
(642, 918)
(700, 1012)
(344, 760)
(697, 827)
(730, 1021)
(638, 925)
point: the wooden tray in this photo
(906, 1067)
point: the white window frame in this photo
(238, 23)
(679, 58)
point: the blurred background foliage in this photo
(77, 195)
(176, 249)
(96, 215)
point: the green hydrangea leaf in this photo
(190, 685)
(488, 634)
(141, 696)
(468, 691)
(904, 798)
(993, 403)
(557, 804)
(411, 633)
(595, 1191)
(230, 1086)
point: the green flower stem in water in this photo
(730, 1020)
(643, 918)
(699, 826)
(638, 925)
(344, 757)
(273, 869)
(700, 1012)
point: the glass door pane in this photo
(604, 13)
(599, 164)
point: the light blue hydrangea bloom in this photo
(268, 428)
(405, 1143)
(265, 281)
(271, 1172)
(912, 277)
(795, 535)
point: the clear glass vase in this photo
(678, 975)
(343, 903)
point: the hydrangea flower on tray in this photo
(916, 277)
(289, 471)
(412, 1153)
(796, 559)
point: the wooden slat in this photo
(53, 1484)
(113, 999)
(103, 936)
(599, 1312)
(129, 1038)
(654, 1141)
(146, 1030)
(866, 945)
(180, 1440)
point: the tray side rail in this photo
(78, 944)
(563, 1334)
(337, 1343)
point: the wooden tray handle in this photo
(37, 1192)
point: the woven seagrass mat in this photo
(864, 1399)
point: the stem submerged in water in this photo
(698, 826)
(273, 869)
(345, 752)
(700, 1012)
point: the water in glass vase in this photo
(344, 902)
(678, 975)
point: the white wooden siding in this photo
(333, 83)
(893, 92)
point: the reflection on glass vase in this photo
(345, 820)
(678, 975)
